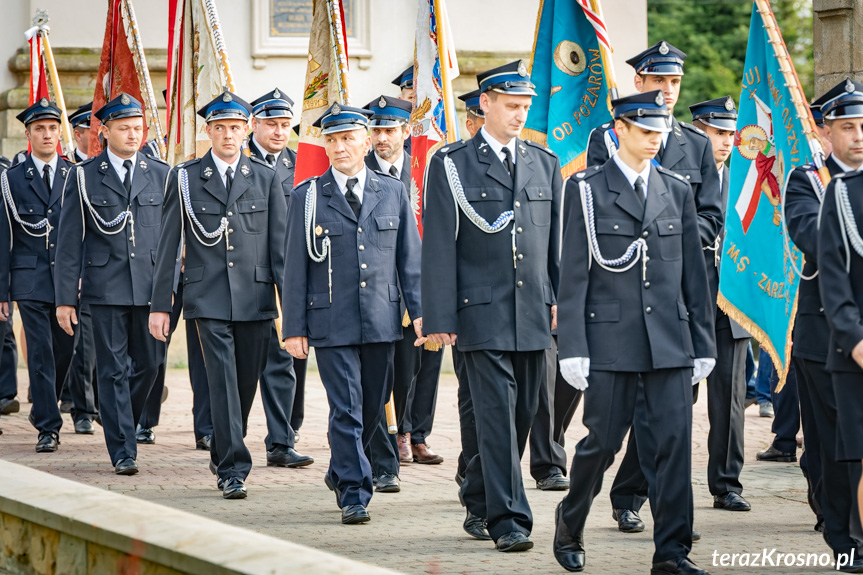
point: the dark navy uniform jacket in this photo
(841, 290)
(470, 285)
(627, 321)
(29, 266)
(286, 162)
(689, 153)
(116, 270)
(802, 204)
(233, 280)
(371, 256)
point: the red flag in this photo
(38, 75)
(117, 71)
(326, 82)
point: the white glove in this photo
(702, 368)
(575, 371)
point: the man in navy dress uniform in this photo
(842, 111)
(490, 276)
(32, 193)
(114, 202)
(687, 151)
(352, 243)
(634, 306)
(271, 130)
(229, 210)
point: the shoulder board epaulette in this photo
(539, 147)
(587, 172)
(452, 147)
(692, 128)
(379, 173)
(844, 175)
(606, 125)
(306, 181)
(87, 161)
(158, 160)
(257, 160)
(668, 172)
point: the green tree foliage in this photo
(714, 33)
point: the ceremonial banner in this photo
(568, 68)
(38, 83)
(433, 122)
(198, 71)
(326, 83)
(758, 281)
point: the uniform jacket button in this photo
(646, 285)
(362, 247)
(520, 283)
(592, 315)
(359, 230)
(230, 213)
(644, 234)
(670, 226)
(132, 255)
(363, 284)
(540, 194)
(231, 248)
(466, 300)
(518, 204)
(821, 310)
(519, 230)
(520, 257)
(616, 227)
(364, 266)
(483, 194)
(687, 176)
(50, 211)
(230, 264)
(649, 310)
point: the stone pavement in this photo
(419, 530)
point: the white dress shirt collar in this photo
(630, 174)
(222, 166)
(497, 147)
(385, 165)
(117, 162)
(342, 181)
(842, 165)
(40, 165)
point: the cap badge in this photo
(276, 93)
(522, 69)
(208, 171)
(382, 103)
(335, 110)
(660, 99)
(663, 48)
(124, 99)
(43, 102)
(319, 230)
(226, 97)
(729, 104)
(849, 86)
(244, 169)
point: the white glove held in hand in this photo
(575, 371)
(702, 368)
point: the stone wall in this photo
(837, 35)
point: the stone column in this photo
(837, 37)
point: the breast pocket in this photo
(253, 215)
(209, 214)
(332, 230)
(614, 235)
(692, 176)
(539, 200)
(149, 209)
(670, 238)
(108, 206)
(388, 231)
(488, 201)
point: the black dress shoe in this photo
(554, 482)
(628, 520)
(283, 456)
(48, 442)
(819, 527)
(459, 479)
(696, 536)
(855, 566)
(220, 483)
(682, 566)
(353, 514)
(475, 527)
(233, 488)
(213, 468)
(66, 406)
(512, 542)
(126, 466)
(203, 444)
(9, 405)
(332, 487)
(387, 483)
(773, 454)
(568, 550)
(145, 435)
(296, 436)
(84, 427)
(731, 501)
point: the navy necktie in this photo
(352, 198)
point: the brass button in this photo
(518, 204)
(648, 309)
(362, 247)
(364, 266)
(230, 264)
(520, 283)
(363, 284)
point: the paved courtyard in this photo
(419, 530)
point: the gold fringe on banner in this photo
(762, 337)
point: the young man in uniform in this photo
(637, 327)
(354, 251)
(114, 202)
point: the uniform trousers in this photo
(848, 388)
(298, 411)
(417, 371)
(466, 417)
(726, 397)
(202, 417)
(81, 376)
(659, 410)
(504, 386)
(120, 334)
(49, 353)
(153, 407)
(8, 361)
(234, 353)
(383, 451)
(358, 380)
(836, 492)
(278, 387)
(557, 402)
